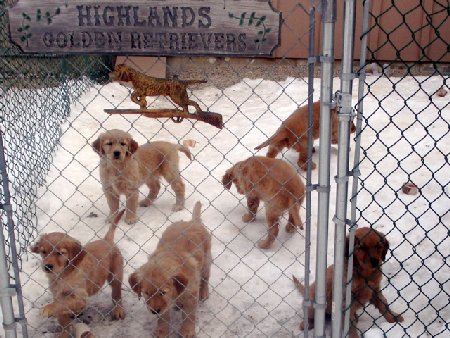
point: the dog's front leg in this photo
(380, 303)
(272, 217)
(163, 325)
(189, 315)
(252, 204)
(65, 321)
(132, 203)
(113, 203)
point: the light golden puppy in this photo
(277, 184)
(125, 166)
(293, 133)
(176, 274)
(370, 251)
(76, 273)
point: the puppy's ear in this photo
(97, 145)
(385, 248)
(74, 250)
(227, 179)
(133, 146)
(34, 248)
(135, 282)
(356, 245)
(180, 282)
(347, 249)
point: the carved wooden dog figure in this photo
(145, 85)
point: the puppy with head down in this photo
(125, 166)
(76, 273)
(274, 182)
(176, 274)
(293, 133)
(369, 253)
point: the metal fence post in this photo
(16, 289)
(356, 161)
(344, 102)
(6, 291)
(326, 89)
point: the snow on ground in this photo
(252, 293)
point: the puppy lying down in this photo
(176, 274)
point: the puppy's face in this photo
(57, 251)
(370, 250)
(120, 73)
(115, 144)
(158, 289)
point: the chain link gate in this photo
(53, 173)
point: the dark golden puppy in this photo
(293, 133)
(176, 274)
(76, 273)
(369, 253)
(274, 182)
(124, 167)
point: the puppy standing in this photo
(124, 167)
(76, 273)
(370, 251)
(293, 133)
(176, 274)
(274, 182)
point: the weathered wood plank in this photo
(164, 27)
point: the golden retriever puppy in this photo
(125, 166)
(76, 273)
(369, 253)
(176, 274)
(277, 184)
(293, 133)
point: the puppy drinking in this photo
(125, 166)
(176, 274)
(293, 133)
(274, 182)
(370, 251)
(76, 273)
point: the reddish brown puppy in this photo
(275, 183)
(76, 273)
(370, 251)
(293, 133)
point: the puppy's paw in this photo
(304, 166)
(47, 311)
(162, 332)
(204, 294)
(131, 219)
(118, 313)
(177, 207)
(290, 228)
(188, 332)
(249, 217)
(264, 244)
(145, 203)
(393, 317)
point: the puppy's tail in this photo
(273, 139)
(300, 287)
(197, 212)
(184, 150)
(110, 234)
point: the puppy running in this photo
(369, 253)
(274, 182)
(76, 273)
(293, 133)
(125, 166)
(176, 274)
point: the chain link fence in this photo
(52, 111)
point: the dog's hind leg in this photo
(294, 220)
(115, 280)
(174, 179)
(154, 186)
(206, 271)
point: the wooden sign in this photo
(146, 27)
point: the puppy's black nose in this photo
(156, 312)
(48, 267)
(374, 262)
(116, 154)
